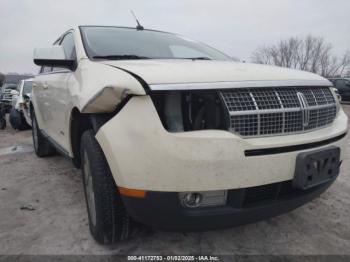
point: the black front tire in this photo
(109, 221)
(17, 120)
(42, 146)
(2, 123)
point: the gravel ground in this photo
(43, 212)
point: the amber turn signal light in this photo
(132, 192)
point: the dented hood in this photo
(179, 71)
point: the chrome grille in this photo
(274, 111)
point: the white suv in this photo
(174, 134)
(20, 114)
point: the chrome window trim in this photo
(239, 84)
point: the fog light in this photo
(192, 199)
(203, 199)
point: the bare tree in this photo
(347, 73)
(311, 53)
(345, 65)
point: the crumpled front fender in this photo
(99, 88)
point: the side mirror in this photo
(53, 56)
(14, 92)
(26, 96)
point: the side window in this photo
(69, 46)
(341, 84)
(347, 84)
(69, 49)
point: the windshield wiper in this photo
(119, 57)
(197, 58)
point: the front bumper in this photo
(163, 209)
(143, 155)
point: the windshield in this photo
(27, 87)
(127, 43)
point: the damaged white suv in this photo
(174, 134)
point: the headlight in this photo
(190, 110)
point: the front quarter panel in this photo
(99, 88)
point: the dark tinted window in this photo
(347, 83)
(340, 84)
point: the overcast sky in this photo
(236, 27)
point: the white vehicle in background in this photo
(20, 114)
(174, 134)
(6, 96)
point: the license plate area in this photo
(316, 167)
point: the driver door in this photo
(60, 100)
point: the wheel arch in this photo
(78, 124)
